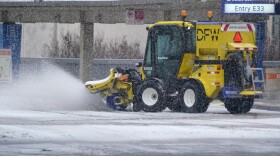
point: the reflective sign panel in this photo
(250, 8)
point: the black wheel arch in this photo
(198, 83)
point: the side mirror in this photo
(138, 64)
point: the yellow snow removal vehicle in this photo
(187, 64)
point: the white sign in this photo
(135, 17)
(5, 65)
(238, 27)
(250, 8)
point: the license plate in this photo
(231, 92)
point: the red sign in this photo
(5, 52)
(5, 65)
(272, 76)
(135, 17)
(139, 14)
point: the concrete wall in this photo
(273, 84)
(36, 46)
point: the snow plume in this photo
(49, 89)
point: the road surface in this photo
(25, 132)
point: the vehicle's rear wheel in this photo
(150, 96)
(239, 105)
(192, 98)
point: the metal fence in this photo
(101, 67)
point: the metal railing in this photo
(101, 67)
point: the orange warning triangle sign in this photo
(237, 38)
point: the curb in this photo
(263, 106)
(270, 105)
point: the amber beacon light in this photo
(210, 15)
(184, 13)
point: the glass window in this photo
(169, 42)
(190, 40)
(148, 54)
(148, 57)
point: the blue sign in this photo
(277, 8)
(230, 92)
(248, 7)
(10, 38)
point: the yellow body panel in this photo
(233, 46)
(101, 84)
(186, 66)
(179, 23)
(211, 78)
(142, 73)
(250, 93)
(212, 41)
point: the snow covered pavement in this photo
(25, 132)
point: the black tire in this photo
(153, 102)
(174, 106)
(192, 98)
(233, 73)
(135, 106)
(239, 105)
(205, 107)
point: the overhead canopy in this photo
(101, 11)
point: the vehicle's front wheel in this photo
(239, 105)
(150, 96)
(192, 98)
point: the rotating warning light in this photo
(210, 14)
(237, 38)
(184, 13)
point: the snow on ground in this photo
(84, 132)
(122, 126)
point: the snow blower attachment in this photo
(186, 66)
(117, 88)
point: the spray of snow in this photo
(51, 89)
